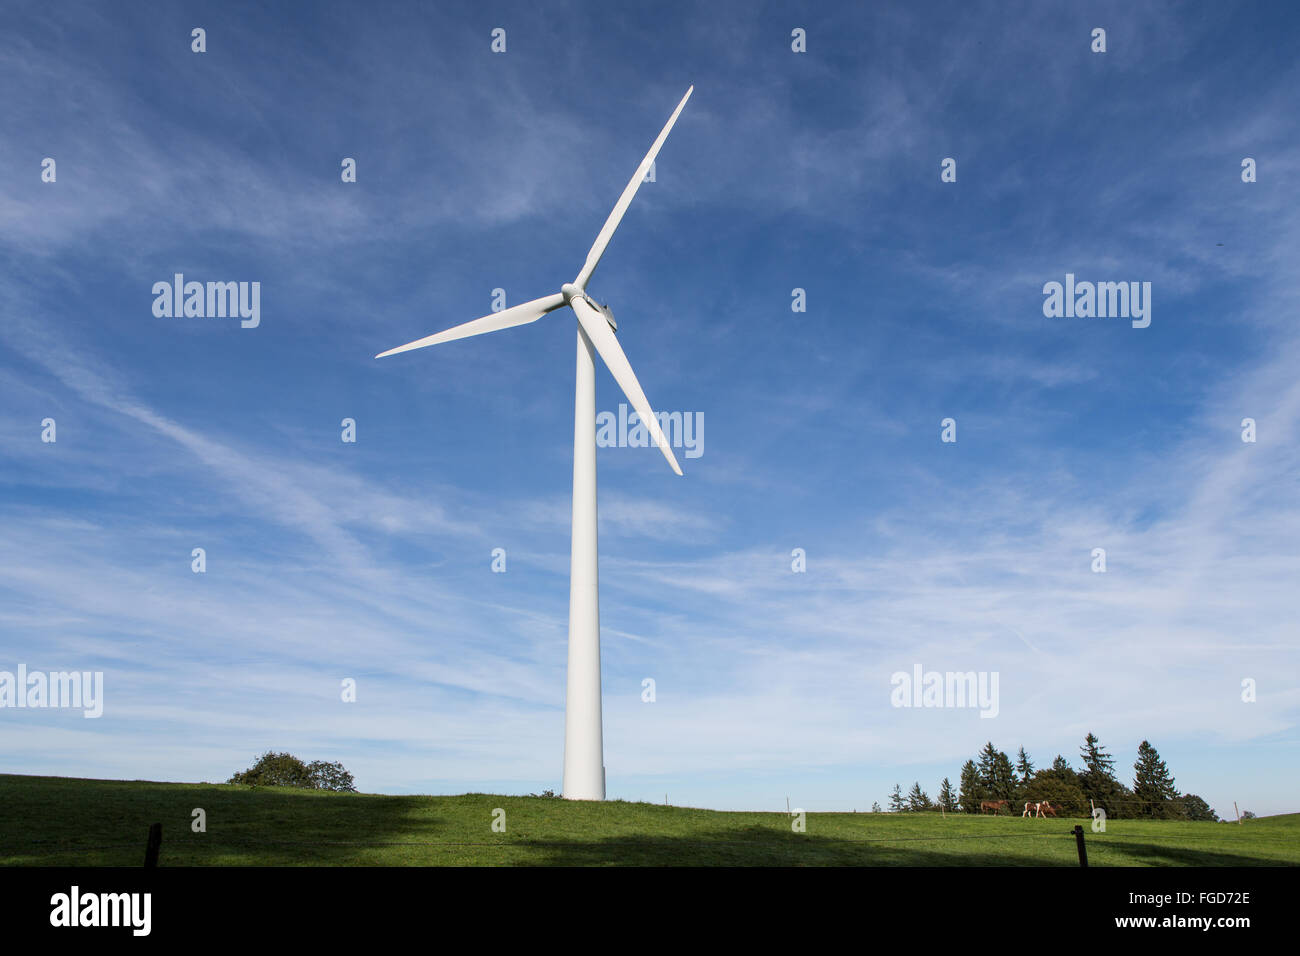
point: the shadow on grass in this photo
(767, 847)
(55, 822)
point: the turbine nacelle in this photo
(571, 291)
(609, 316)
(604, 310)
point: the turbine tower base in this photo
(584, 752)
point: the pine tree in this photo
(1004, 778)
(1095, 759)
(1024, 766)
(1061, 764)
(875, 807)
(947, 799)
(1153, 786)
(988, 760)
(1098, 779)
(896, 804)
(918, 799)
(972, 792)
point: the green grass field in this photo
(56, 821)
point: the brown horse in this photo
(1045, 809)
(994, 805)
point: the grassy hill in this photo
(49, 821)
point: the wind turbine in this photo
(584, 760)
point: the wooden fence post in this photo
(151, 848)
(1078, 839)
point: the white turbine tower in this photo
(584, 760)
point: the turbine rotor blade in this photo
(616, 216)
(520, 314)
(611, 353)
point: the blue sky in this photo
(816, 170)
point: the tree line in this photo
(1072, 793)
